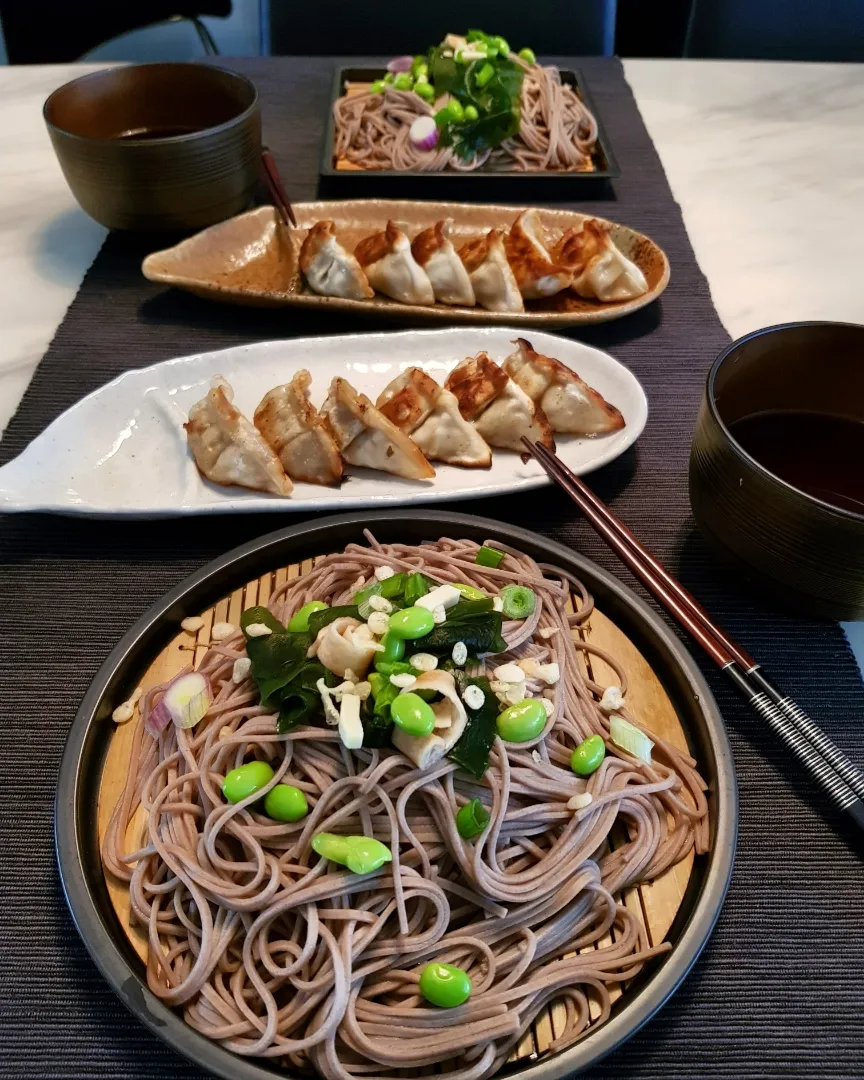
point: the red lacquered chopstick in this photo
(277, 188)
(825, 761)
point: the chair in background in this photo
(777, 29)
(395, 27)
(59, 31)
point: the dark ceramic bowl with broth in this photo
(158, 147)
(777, 465)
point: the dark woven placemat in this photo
(777, 993)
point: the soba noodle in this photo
(556, 131)
(278, 954)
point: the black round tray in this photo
(75, 818)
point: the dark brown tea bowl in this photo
(158, 147)
(777, 464)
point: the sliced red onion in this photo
(423, 133)
(185, 702)
(400, 63)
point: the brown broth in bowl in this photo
(819, 454)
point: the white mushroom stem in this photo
(426, 750)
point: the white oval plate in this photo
(122, 449)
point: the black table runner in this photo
(779, 989)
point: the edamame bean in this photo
(455, 111)
(445, 985)
(403, 81)
(472, 819)
(503, 45)
(377, 87)
(411, 623)
(527, 55)
(361, 854)
(285, 803)
(394, 650)
(472, 114)
(522, 722)
(425, 90)
(411, 713)
(245, 780)
(588, 755)
(299, 623)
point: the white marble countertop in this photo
(766, 160)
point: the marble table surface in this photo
(765, 159)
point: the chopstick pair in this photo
(277, 188)
(826, 763)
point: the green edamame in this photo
(425, 90)
(472, 819)
(411, 713)
(378, 86)
(285, 803)
(445, 985)
(411, 623)
(299, 623)
(503, 45)
(588, 755)
(527, 55)
(394, 650)
(245, 780)
(361, 854)
(403, 81)
(522, 722)
(472, 115)
(454, 110)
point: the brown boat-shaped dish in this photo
(252, 260)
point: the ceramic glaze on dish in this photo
(252, 260)
(122, 449)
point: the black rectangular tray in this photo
(604, 159)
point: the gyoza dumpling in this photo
(570, 404)
(434, 251)
(367, 438)
(416, 403)
(495, 287)
(392, 269)
(601, 271)
(503, 411)
(228, 449)
(532, 266)
(291, 425)
(329, 268)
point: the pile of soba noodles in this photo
(276, 953)
(556, 131)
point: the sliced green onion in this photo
(416, 585)
(485, 74)
(489, 556)
(628, 737)
(472, 819)
(476, 35)
(518, 601)
(468, 591)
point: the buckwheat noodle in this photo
(556, 130)
(275, 953)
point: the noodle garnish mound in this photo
(411, 907)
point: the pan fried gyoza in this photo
(422, 408)
(329, 269)
(502, 412)
(600, 270)
(228, 449)
(291, 425)
(570, 404)
(535, 272)
(494, 284)
(391, 268)
(434, 251)
(366, 437)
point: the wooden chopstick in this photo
(823, 759)
(277, 188)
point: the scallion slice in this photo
(628, 737)
(489, 556)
